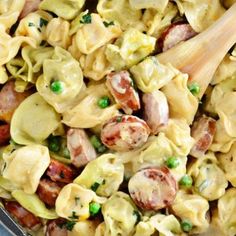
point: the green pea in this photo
(54, 143)
(172, 162)
(95, 141)
(57, 87)
(186, 181)
(104, 102)
(186, 225)
(194, 89)
(94, 208)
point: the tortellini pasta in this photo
(32, 203)
(166, 225)
(118, 11)
(201, 13)
(3, 75)
(141, 4)
(64, 68)
(11, 5)
(26, 165)
(150, 75)
(182, 103)
(33, 112)
(73, 200)
(228, 164)
(83, 228)
(34, 25)
(156, 21)
(119, 215)
(87, 113)
(225, 214)
(209, 179)
(66, 9)
(144, 228)
(192, 207)
(95, 65)
(57, 33)
(106, 171)
(93, 35)
(130, 48)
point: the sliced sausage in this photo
(23, 216)
(81, 149)
(153, 188)
(59, 172)
(10, 100)
(4, 134)
(123, 133)
(56, 228)
(174, 34)
(121, 87)
(30, 6)
(155, 110)
(202, 131)
(48, 191)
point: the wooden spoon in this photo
(200, 56)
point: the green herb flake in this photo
(74, 216)
(119, 119)
(31, 24)
(194, 89)
(70, 225)
(43, 22)
(95, 186)
(137, 215)
(107, 24)
(77, 200)
(86, 19)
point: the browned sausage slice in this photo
(121, 87)
(153, 188)
(156, 110)
(174, 34)
(59, 172)
(56, 228)
(4, 134)
(81, 149)
(48, 191)
(123, 133)
(10, 100)
(23, 216)
(30, 6)
(202, 131)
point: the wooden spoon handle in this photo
(200, 56)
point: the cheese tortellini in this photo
(11, 5)
(64, 68)
(130, 48)
(118, 11)
(73, 200)
(209, 179)
(33, 112)
(141, 4)
(87, 114)
(93, 35)
(26, 165)
(106, 171)
(66, 9)
(151, 75)
(182, 103)
(192, 207)
(201, 13)
(119, 214)
(225, 215)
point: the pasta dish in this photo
(98, 137)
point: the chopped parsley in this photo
(86, 19)
(74, 216)
(119, 119)
(43, 22)
(138, 216)
(107, 24)
(95, 186)
(70, 225)
(31, 24)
